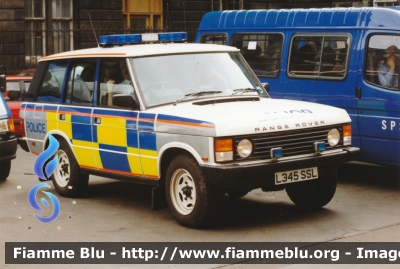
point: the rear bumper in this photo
(262, 174)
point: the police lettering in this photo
(36, 127)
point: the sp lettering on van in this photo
(36, 127)
(389, 125)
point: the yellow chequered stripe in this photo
(149, 162)
(66, 126)
(112, 131)
(51, 118)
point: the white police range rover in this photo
(190, 119)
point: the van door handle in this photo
(97, 120)
(358, 92)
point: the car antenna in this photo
(93, 30)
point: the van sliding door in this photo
(379, 97)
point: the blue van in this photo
(344, 57)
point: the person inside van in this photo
(388, 73)
(327, 62)
(304, 60)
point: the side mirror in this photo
(266, 86)
(3, 84)
(125, 100)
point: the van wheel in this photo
(192, 200)
(313, 194)
(67, 178)
(5, 167)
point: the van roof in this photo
(140, 50)
(365, 17)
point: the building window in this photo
(138, 22)
(35, 21)
(34, 24)
(61, 9)
(143, 14)
(34, 9)
(62, 25)
(33, 41)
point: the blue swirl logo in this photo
(32, 201)
(44, 167)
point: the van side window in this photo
(319, 56)
(219, 39)
(80, 84)
(262, 52)
(382, 65)
(52, 81)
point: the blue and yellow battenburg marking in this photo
(115, 141)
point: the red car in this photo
(17, 86)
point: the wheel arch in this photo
(169, 151)
(58, 135)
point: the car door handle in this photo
(97, 120)
(358, 92)
(62, 117)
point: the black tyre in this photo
(193, 201)
(5, 167)
(313, 194)
(67, 178)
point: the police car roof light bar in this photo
(109, 40)
(171, 37)
(112, 40)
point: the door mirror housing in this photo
(125, 100)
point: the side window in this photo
(219, 39)
(262, 52)
(319, 56)
(80, 84)
(52, 81)
(116, 87)
(382, 65)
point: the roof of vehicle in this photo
(140, 50)
(371, 17)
